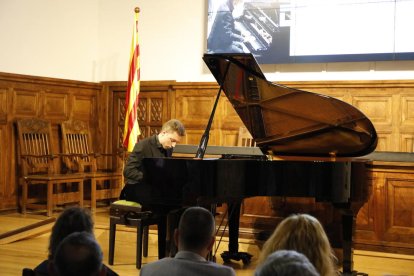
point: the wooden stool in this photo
(129, 213)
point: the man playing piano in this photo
(158, 145)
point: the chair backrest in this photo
(77, 145)
(245, 139)
(35, 146)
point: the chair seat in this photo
(55, 177)
(129, 213)
(124, 202)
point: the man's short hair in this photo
(174, 125)
(78, 254)
(196, 228)
(286, 263)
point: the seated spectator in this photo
(304, 234)
(71, 220)
(286, 263)
(195, 238)
(78, 255)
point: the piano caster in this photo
(237, 256)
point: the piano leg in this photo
(162, 235)
(233, 216)
(348, 229)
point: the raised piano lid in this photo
(288, 121)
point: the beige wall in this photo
(90, 41)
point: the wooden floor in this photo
(31, 251)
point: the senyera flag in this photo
(131, 129)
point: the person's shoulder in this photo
(141, 144)
(155, 268)
(222, 269)
(146, 140)
(163, 261)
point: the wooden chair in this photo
(129, 213)
(38, 168)
(80, 157)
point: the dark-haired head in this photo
(71, 220)
(196, 229)
(78, 255)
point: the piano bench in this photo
(129, 213)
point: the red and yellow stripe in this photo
(131, 129)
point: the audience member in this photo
(73, 219)
(78, 255)
(302, 233)
(195, 238)
(286, 263)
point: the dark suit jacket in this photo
(43, 270)
(136, 189)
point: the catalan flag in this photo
(131, 129)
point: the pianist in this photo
(136, 189)
(159, 145)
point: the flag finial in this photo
(137, 10)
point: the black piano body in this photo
(314, 140)
(188, 181)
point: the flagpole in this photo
(124, 155)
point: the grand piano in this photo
(310, 144)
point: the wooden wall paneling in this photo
(83, 108)
(407, 142)
(8, 165)
(56, 105)
(386, 222)
(399, 212)
(26, 102)
(380, 110)
(151, 112)
(3, 176)
(407, 111)
(406, 126)
(154, 107)
(3, 104)
(366, 231)
(119, 115)
(193, 106)
(230, 124)
(102, 134)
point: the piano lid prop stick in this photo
(201, 150)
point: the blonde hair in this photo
(304, 234)
(174, 125)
